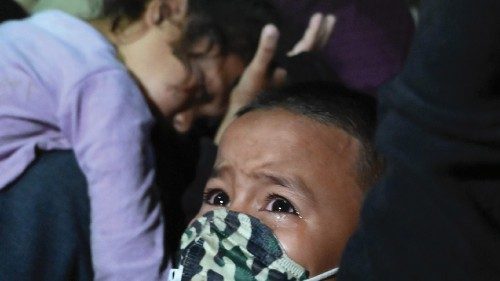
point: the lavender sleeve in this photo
(108, 124)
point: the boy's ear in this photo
(158, 11)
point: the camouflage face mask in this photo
(226, 245)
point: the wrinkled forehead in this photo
(280, 122)
(270, 148)
(282, 136)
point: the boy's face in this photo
(297, 176)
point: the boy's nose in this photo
(244, 207)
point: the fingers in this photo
(326, 31)
(308, 40)
(255, 77)
(265, 51)
(316, 35)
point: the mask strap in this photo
(175, 274)
(324, 275)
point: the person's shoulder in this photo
(89, 47)
(64, 48)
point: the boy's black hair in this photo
(331, 104)
(233, 25)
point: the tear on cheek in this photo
(278, 221)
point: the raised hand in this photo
(316, 35)
(255, 77)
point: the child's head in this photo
(299, 160)
(221, 37)
(145, 33)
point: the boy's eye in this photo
(216, 197)
(280, 205)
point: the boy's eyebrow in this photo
(288, 182)
(291, 182)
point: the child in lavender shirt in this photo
(63, 86)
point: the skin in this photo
(146, 48)
(218, 74)
(298, 176)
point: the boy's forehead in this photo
(288, 142)
(265, 126)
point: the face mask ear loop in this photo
(324, 275)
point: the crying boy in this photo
(286, 188)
